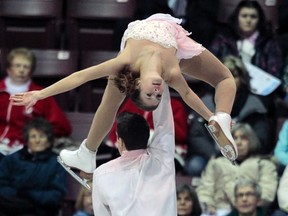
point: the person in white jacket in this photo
(282, 195)
(142, 180)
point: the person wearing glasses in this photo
(247, 194)
(215, 190)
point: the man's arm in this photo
(99, 206)
(163, 117)
(162, 144)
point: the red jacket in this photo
(13, 118)
(180, 120)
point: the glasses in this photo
(24, 66)
(248, 195)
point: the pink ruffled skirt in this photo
(165, 30)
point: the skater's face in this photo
(246, 200)
(248, 19)
(184, 204)
(242, 143)
(151, 90)
(37, 141)
(20, 70)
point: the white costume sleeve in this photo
(163, 141)
(99, 206)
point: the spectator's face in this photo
(37, 141)
(20, 70)
(248, 19)
(87, 202)
(184, 204)
(242, 144)
(246, 200)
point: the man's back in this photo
(141, 182)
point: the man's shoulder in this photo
(108, 167)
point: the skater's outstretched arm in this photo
(70, 82)
(105, 115)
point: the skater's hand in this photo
(27, 99)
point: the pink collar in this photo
(133, 153)
(253, 37)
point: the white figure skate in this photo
(219, 128)
(82, 159)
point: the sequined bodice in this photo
(162, 33)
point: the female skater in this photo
(153, 51)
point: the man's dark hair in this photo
(133, 129)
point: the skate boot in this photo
(219, 128)
(82, 159)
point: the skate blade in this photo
(228, 152)
(83, 181)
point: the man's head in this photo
(132, 132)
(247, 196)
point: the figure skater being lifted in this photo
(153, 51)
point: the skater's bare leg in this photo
(105, 116)
(208, 68)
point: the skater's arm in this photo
(72, 81)
(190, 98)
(105, 115)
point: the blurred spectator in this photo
(1, 156)
(180, 116)
(20, 66)
(83, 204)
(247, 108)
(32, 182)
(215, 190)
(247, 195)
(187, 201)
(282, 195)
(281, 149)
(248, 35)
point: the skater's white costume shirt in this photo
(141, 182)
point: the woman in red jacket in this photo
(20, 66)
